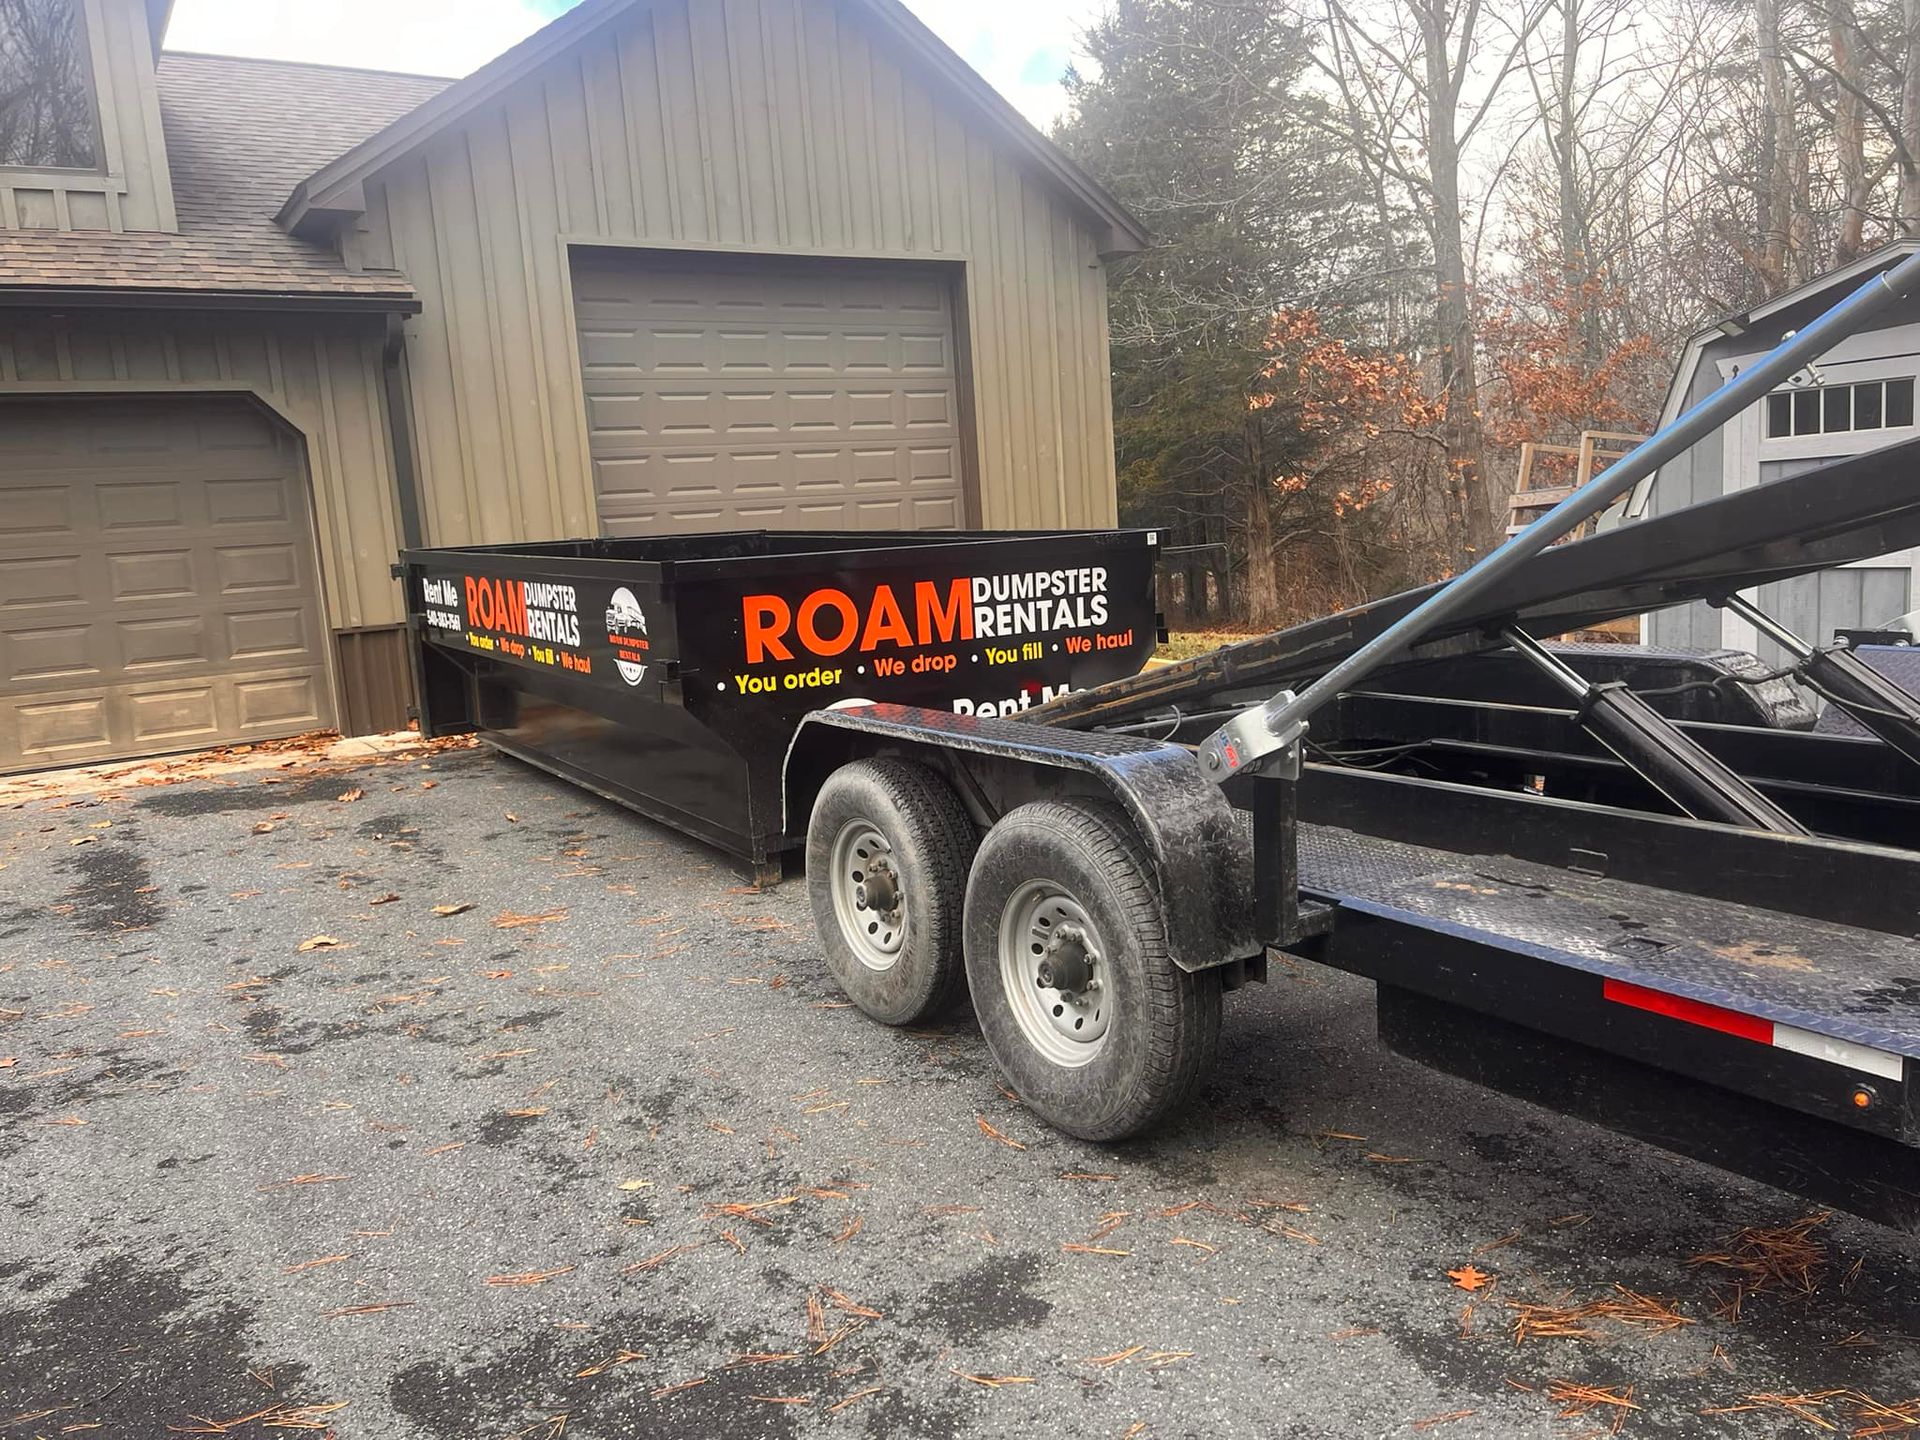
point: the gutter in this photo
(44, 297)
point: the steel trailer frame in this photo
(1700, 934)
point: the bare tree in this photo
(1417, 89)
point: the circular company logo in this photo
(627, 633)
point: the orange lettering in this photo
(516, 607)
(810, 609)
(936, 623)
(766, 618)
(473, 601)
(885, 622)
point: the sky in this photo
(1022, 46)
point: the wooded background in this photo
(1396, 240)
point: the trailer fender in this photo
(1202, 858)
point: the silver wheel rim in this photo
(868, 899)
(1054, 968)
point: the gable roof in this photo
(239, 132)
(1847, 277)
(335, 187)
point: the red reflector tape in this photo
(1883, 1063)
(1694, 1012)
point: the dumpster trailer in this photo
(1632, 885)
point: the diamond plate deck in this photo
(1835, 980)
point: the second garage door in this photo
(157, 580)
(752, 392)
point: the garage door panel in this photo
(772, 393)
(279, 702)
(49, 731)
(157, 582)
(183, 714)
(170, 640)
(35, 511)
(39, 580)
(39, 654)
(268, 634)
(255, 569)
(150, 575)
(249, 502)
(142, 506)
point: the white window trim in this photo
(1796, 447)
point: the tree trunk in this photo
(1777, 144)
(1576, 222)
(1908, 219)
(1849, 129)
(1465, 510)
(1262, 588)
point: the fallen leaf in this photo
(459, 909)
(7, 1062)
(352, 795)
(1469, 1277)
(319, 942)
(84, 840)
(993, 1134)
(512, 920)
(528, 1277)
(265, 827)
(386, 899)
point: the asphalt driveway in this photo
(599, 1151)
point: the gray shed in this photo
(1860, 397)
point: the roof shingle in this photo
(240, 135)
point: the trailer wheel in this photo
(887, 852)
(1092, 1023)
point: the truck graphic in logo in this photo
(627, 633)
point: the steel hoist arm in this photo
(1267, 736)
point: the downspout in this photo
(406, 480)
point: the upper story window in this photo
(46, 97)
(1834, 409)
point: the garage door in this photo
(755, 393)
(157, 581)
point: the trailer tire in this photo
(899, 962)
(1068, 885)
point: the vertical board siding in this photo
(322, 378)
(760, 124)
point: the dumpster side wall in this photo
(777, 127)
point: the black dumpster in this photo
(668, 673)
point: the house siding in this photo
(771, 126)
(322, 378)
(133, 188)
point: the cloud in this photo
(1021, 46)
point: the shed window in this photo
(1837, 409)
(46, 98)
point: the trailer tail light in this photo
(1883, 1063)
